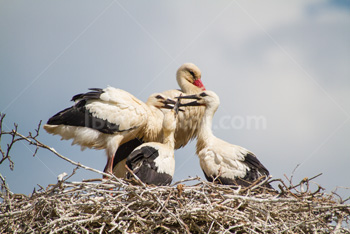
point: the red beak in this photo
(199, 84)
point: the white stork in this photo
(107, 118)
(228, 164)
(154, 162)
(188, 77)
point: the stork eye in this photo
(159, 97)
(203, 94)
(191, 72)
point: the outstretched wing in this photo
(107, 110)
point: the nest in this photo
(114, 206)
(119, 206)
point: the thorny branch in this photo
(116, 205)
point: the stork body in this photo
(188, 77)
(107, 118)
(154, 162)
(227, 163)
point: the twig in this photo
(41, 145)
(5, 186)
(6, 154)
(135, 176)
(118, 206)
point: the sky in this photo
(280, 68)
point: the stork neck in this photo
(205, 131)
(169, 139)
(153, 128)
(187, 87)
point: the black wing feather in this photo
(256, 171)
(125, 150)
(227, 181)
(146, 155)
(256, 168)
(141, 162)
(79, 116)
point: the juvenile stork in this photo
(228, 164)
(154, 162)
(188, 77)
(107, 118)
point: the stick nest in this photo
(118, 206)
(114, 206)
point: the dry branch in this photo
(117, 206)
(205, 207)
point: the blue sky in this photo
(286, 63)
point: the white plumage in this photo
(228, 163)
(105, 119)
(115, 120)
(188, 77)
(154, 162)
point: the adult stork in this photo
(228, 164)
(107, 118)
(154, 162)
(188, 77)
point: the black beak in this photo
(171, 104)
(168, 103)
(195, 103)
(190, 97)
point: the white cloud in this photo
(234, 44)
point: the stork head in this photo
(207, 98)
(159, 100)
(188, 77)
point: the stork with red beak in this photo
(114, 120)
(188, 77)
